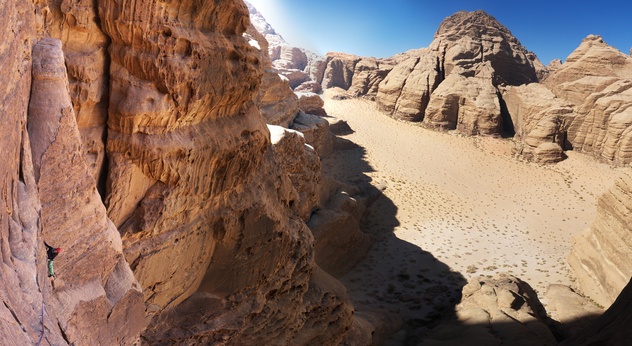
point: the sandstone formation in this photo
(405, 92)
(296, 64)
(502, 310)
(359, 76)
(316, 132)
(600, 255)
(97, 299)
(311, 103)
(465, 44)
(276, 100)
(468, 104)
(597, 79)
(611, 328)
(50, 195)
(539, 119)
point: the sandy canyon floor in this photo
(456, 207)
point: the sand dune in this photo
(455, 207)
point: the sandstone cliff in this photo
(206, 210)
(597, 79)
(600, 255)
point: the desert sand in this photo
(455, 207)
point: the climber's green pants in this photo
(51, 271)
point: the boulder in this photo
(495, 311)
(276, 100)
(537, 117)
(311, 103)
(573, 311)
(316, 132)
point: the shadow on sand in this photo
(396, 276)
(401, 278)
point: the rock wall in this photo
(600, 255)
(597, 79)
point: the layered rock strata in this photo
(600, 255)
(597, 80)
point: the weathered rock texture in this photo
(359, 76)
(597, 80)
(97, 300)
(499, 311)
(601, 254)
(76, 24)
(50, 195)
(539, 120)
(213, 219)
(298, 65)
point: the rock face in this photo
(611, 328)
(468, 104)
(359, 76)
(95, 282)
(298, 65)
(597, 79)
(50, 195)
(600, 254)
(539, 119)
(85, 49)
(496, 311)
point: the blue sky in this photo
(551, 29)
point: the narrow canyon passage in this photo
(456, 207)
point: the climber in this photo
(51, 253)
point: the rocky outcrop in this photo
(468, 104)
(496, 311)
(600, 254)
(316, 132)
(298, 65)
(597, 79)
(358, 75)
(311, 103)
(276, 100)
(539, 119)
(405, 92)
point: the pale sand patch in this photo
(462, 200)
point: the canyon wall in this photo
(477, 79)
(156, 105)
(601, 254)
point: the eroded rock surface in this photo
(600, 255)
(496, 311)
(597, 79)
